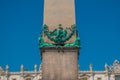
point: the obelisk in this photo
(59, 43)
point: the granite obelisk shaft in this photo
(62, 63)
(59, 12)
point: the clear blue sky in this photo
(98, 23)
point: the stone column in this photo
(106, 72)
(112, 77)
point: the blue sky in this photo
(98, 23)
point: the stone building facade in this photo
(110, 73)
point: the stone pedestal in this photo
(59, 64)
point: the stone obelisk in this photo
(59, 44)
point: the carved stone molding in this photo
(116, 67)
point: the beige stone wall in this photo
(82, 76)
(60, 64)
(14, 77)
